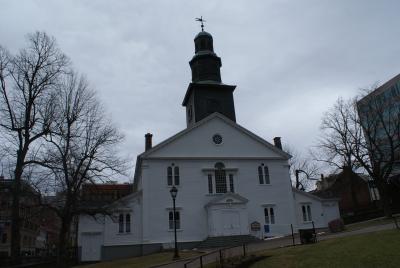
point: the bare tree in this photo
(339, 129)
(364, 133)
(339, 142)
(27, 82)
(81, 149)
(378, 152)
(304, 163)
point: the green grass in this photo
(379, 249)
(142, 262)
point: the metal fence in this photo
(221, 256)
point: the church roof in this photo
(205, 83)
(124, 201)
(311, 195)
(280, 152)
(145, 154)
(203, 33)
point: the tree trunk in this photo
(386, 201)
(350, 177)
(62, 254)
(15, 213)
(384, 194)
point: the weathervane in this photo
(201, 21)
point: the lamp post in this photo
(174, 192)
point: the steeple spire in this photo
(206, 93)
(202, 22)
(205, 64)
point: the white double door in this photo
(230, 222)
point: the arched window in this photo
(169, 175)
(260, 175)
(173, 175)
(176, 175)
(266, 175)
(121, 223)
(263, 174)
(220, 178)
(128, 223)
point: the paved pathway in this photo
(284, 241)
(365, 230)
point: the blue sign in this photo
(266, 228)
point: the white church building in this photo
(230, 181)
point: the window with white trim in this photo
(121, 223)
(124, 223)
(231, 187)
(306, 210)
(220, 180)
(210, 184)
(128, 223)
(171, 220)
(269, 215)
(263, 174)
(173, 175)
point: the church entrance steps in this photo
(227, 241)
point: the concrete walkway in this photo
(277, 243)
(365, 230)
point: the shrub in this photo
(336, 225)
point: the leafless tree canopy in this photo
(308, 165)
(341, 136)
(53, 130)
(80, 148)
(82, 142)
(28, 81)
(364, 133)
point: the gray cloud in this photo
(289, 59)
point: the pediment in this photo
(227, 199)
(198, 142)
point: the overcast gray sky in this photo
(290, 60)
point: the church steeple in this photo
(205, 64)
(206, 93)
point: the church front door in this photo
(227, 215)
(231, 222)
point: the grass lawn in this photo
(141, 262)
(379, 249)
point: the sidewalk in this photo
(359, 231)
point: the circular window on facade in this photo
(217, 139)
